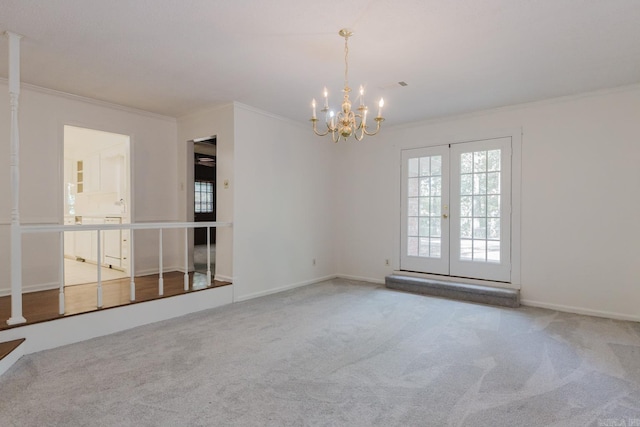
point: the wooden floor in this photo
(43, 306)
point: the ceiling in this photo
(174, 57)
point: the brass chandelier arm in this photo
(334, 135)
(315, 129)
(378, 121)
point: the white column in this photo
(16, 235)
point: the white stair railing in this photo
(16, 294)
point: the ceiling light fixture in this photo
(346, 123)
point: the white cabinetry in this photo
(92, 174)
(86, 242)
(112, 244)
(69, 238)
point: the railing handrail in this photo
(16, 286)
(35, 228)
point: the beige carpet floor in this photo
(339, 353)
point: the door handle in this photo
(445, 216)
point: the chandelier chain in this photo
(346, 62)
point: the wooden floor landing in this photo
(42, 306)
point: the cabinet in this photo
(91, 173)
(86, 242)
(69, 238)
(113, 244)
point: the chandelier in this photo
(346, 122)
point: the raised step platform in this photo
(10, 352)
(460, 291)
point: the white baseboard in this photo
(221, 278)
(152, 271)
(579, 310)
(360, 279)
(32, 288)
(283, 288)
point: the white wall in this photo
(580, 199)
(284, 203)
(217, 121)
(42, 116)
(280, 198)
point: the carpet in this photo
(339, 353)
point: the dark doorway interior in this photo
(205, 188)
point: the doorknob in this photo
(445, 216)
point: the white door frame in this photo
(516, 135)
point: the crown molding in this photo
(269, 114)
(92, 101)
(520, 106)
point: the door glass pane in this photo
(424, 191)
(412, 246)
(413, 168)
(480, 212)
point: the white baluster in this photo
(160, 279)
(61, 289)
(99, 261)
(208, 256)
(132, 284)
(186, 259)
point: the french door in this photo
(456, 210)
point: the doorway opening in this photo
(204, 208)
(96, 190)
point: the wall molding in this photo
(270, 115)
(222, 278)
(92, 101)
(32, 288)
(283, 288)
(579, 310)
(518, 106)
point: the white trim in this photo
(72, 329)
(581, 311)
(32, 288)
(517, 106)
(165, 271)
(458, 279)
(516, 134)
(271, 115)
(92, 101)
(360, 279)
(12, 358)
(283, 288)
(222, 278)
(500, 271)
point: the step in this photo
(10, 352)
(459, 291)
